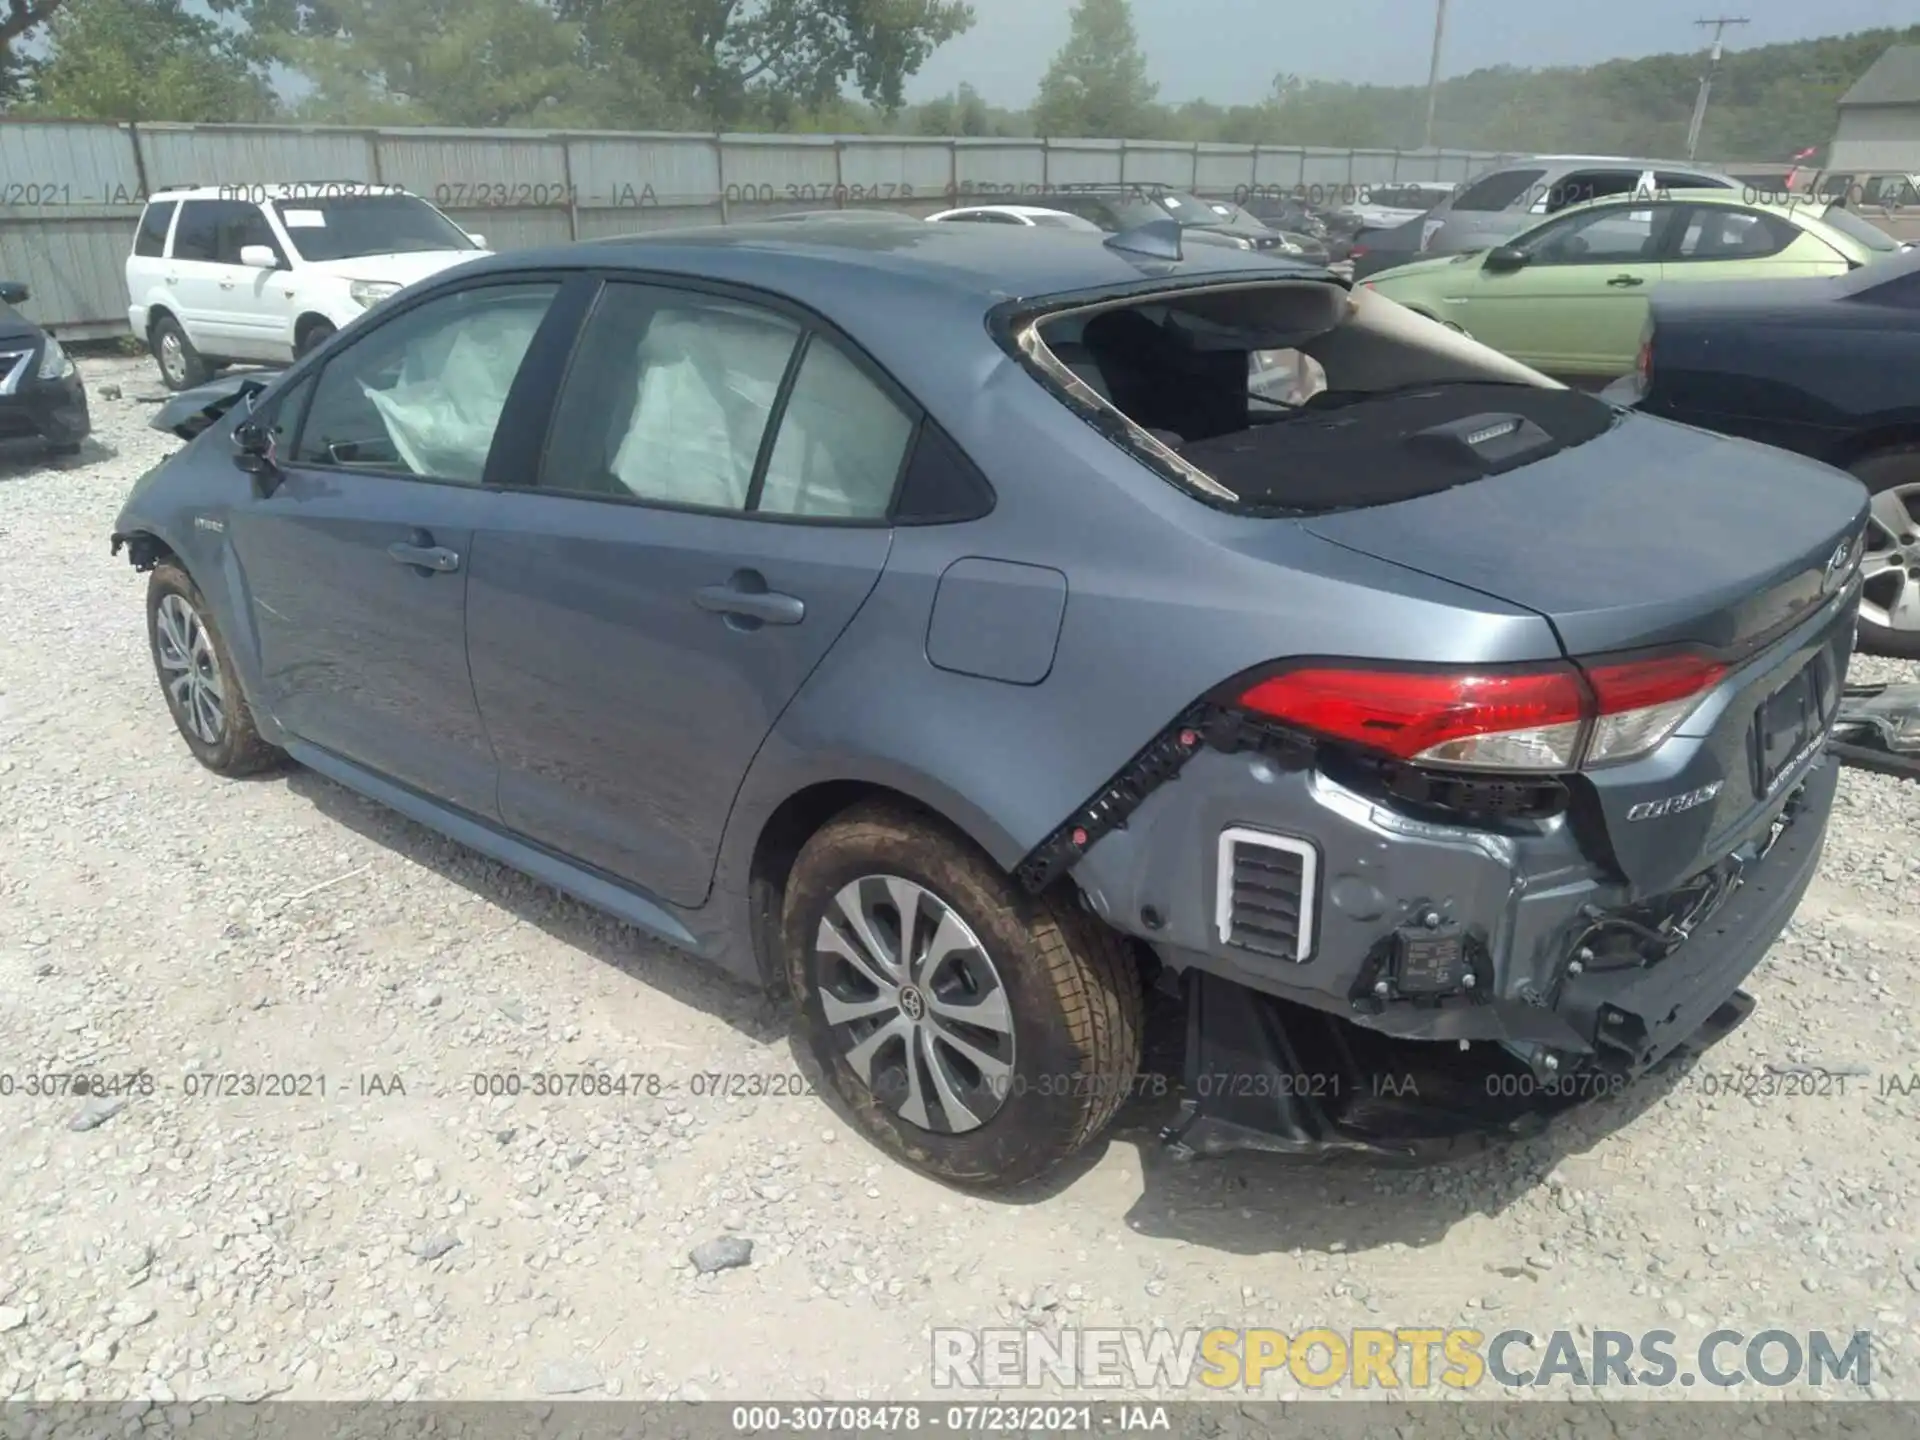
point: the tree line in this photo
(837, 66)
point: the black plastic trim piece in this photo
(1162, 760)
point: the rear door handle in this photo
(1625, 280)
(745, 598)
(427, 557)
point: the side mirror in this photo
(253, 453)
(479, 240)
(12, 292)
(1504, 258)
(259, 257)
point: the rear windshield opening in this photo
(1298, 398)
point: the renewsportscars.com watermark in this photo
(1397, 1359)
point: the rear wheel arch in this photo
(155, 314)
(808, 810)
(1867, 444)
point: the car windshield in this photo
(1864, 231)
(346, 227)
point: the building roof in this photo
(1893, 79)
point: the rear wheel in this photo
(980, 1034)
(197, 677)
(1890, 604)
(181, 366)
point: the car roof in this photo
(1007, 210)
(1717, 195)
(292, 189)
(832, 266)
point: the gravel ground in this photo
(404, 1237)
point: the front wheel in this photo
(313, 337)
(978, 1033)
(198, 680)
(1890, 602)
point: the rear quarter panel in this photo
(1166, 598)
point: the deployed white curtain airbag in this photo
(708, 378)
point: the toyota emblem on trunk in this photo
(1840, 565)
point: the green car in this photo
(1569, 296)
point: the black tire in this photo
(236, 748)
(313, 337)
(1884, 471)
(181, 366)
(1071, 987)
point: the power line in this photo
(1719, 24)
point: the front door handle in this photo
(747, 603)
(1625, 280)
(435, 558)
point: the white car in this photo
(252, 273)
(1029, 215)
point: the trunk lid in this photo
(1649, 534)
(1655, 535)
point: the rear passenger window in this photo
(1718, 233)
(841, 441)
(1587, 185)
(1499, 191)
(669, 397)
(151, 239)
(198, 235)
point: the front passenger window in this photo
(423, 393)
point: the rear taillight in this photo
(1643, 364)
(1554, 718)
(1639, 703)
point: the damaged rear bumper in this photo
(1263, 1074)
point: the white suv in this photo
(229, 273)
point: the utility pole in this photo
(1719, 24)
(1433, 70)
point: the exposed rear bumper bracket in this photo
(1878, 729)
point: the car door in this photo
(196, 285)
(356, 564)
(256, 304)
(709, 514)
(1578, 305)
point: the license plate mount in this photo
(1791, 724)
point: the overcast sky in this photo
(1228, 51)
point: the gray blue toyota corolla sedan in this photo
(938, 623)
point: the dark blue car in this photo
(939, 623)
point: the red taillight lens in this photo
(1640, 703)
(1643, 367)
(1551, 719)
(1490, 720)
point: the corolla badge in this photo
(1675, 804)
